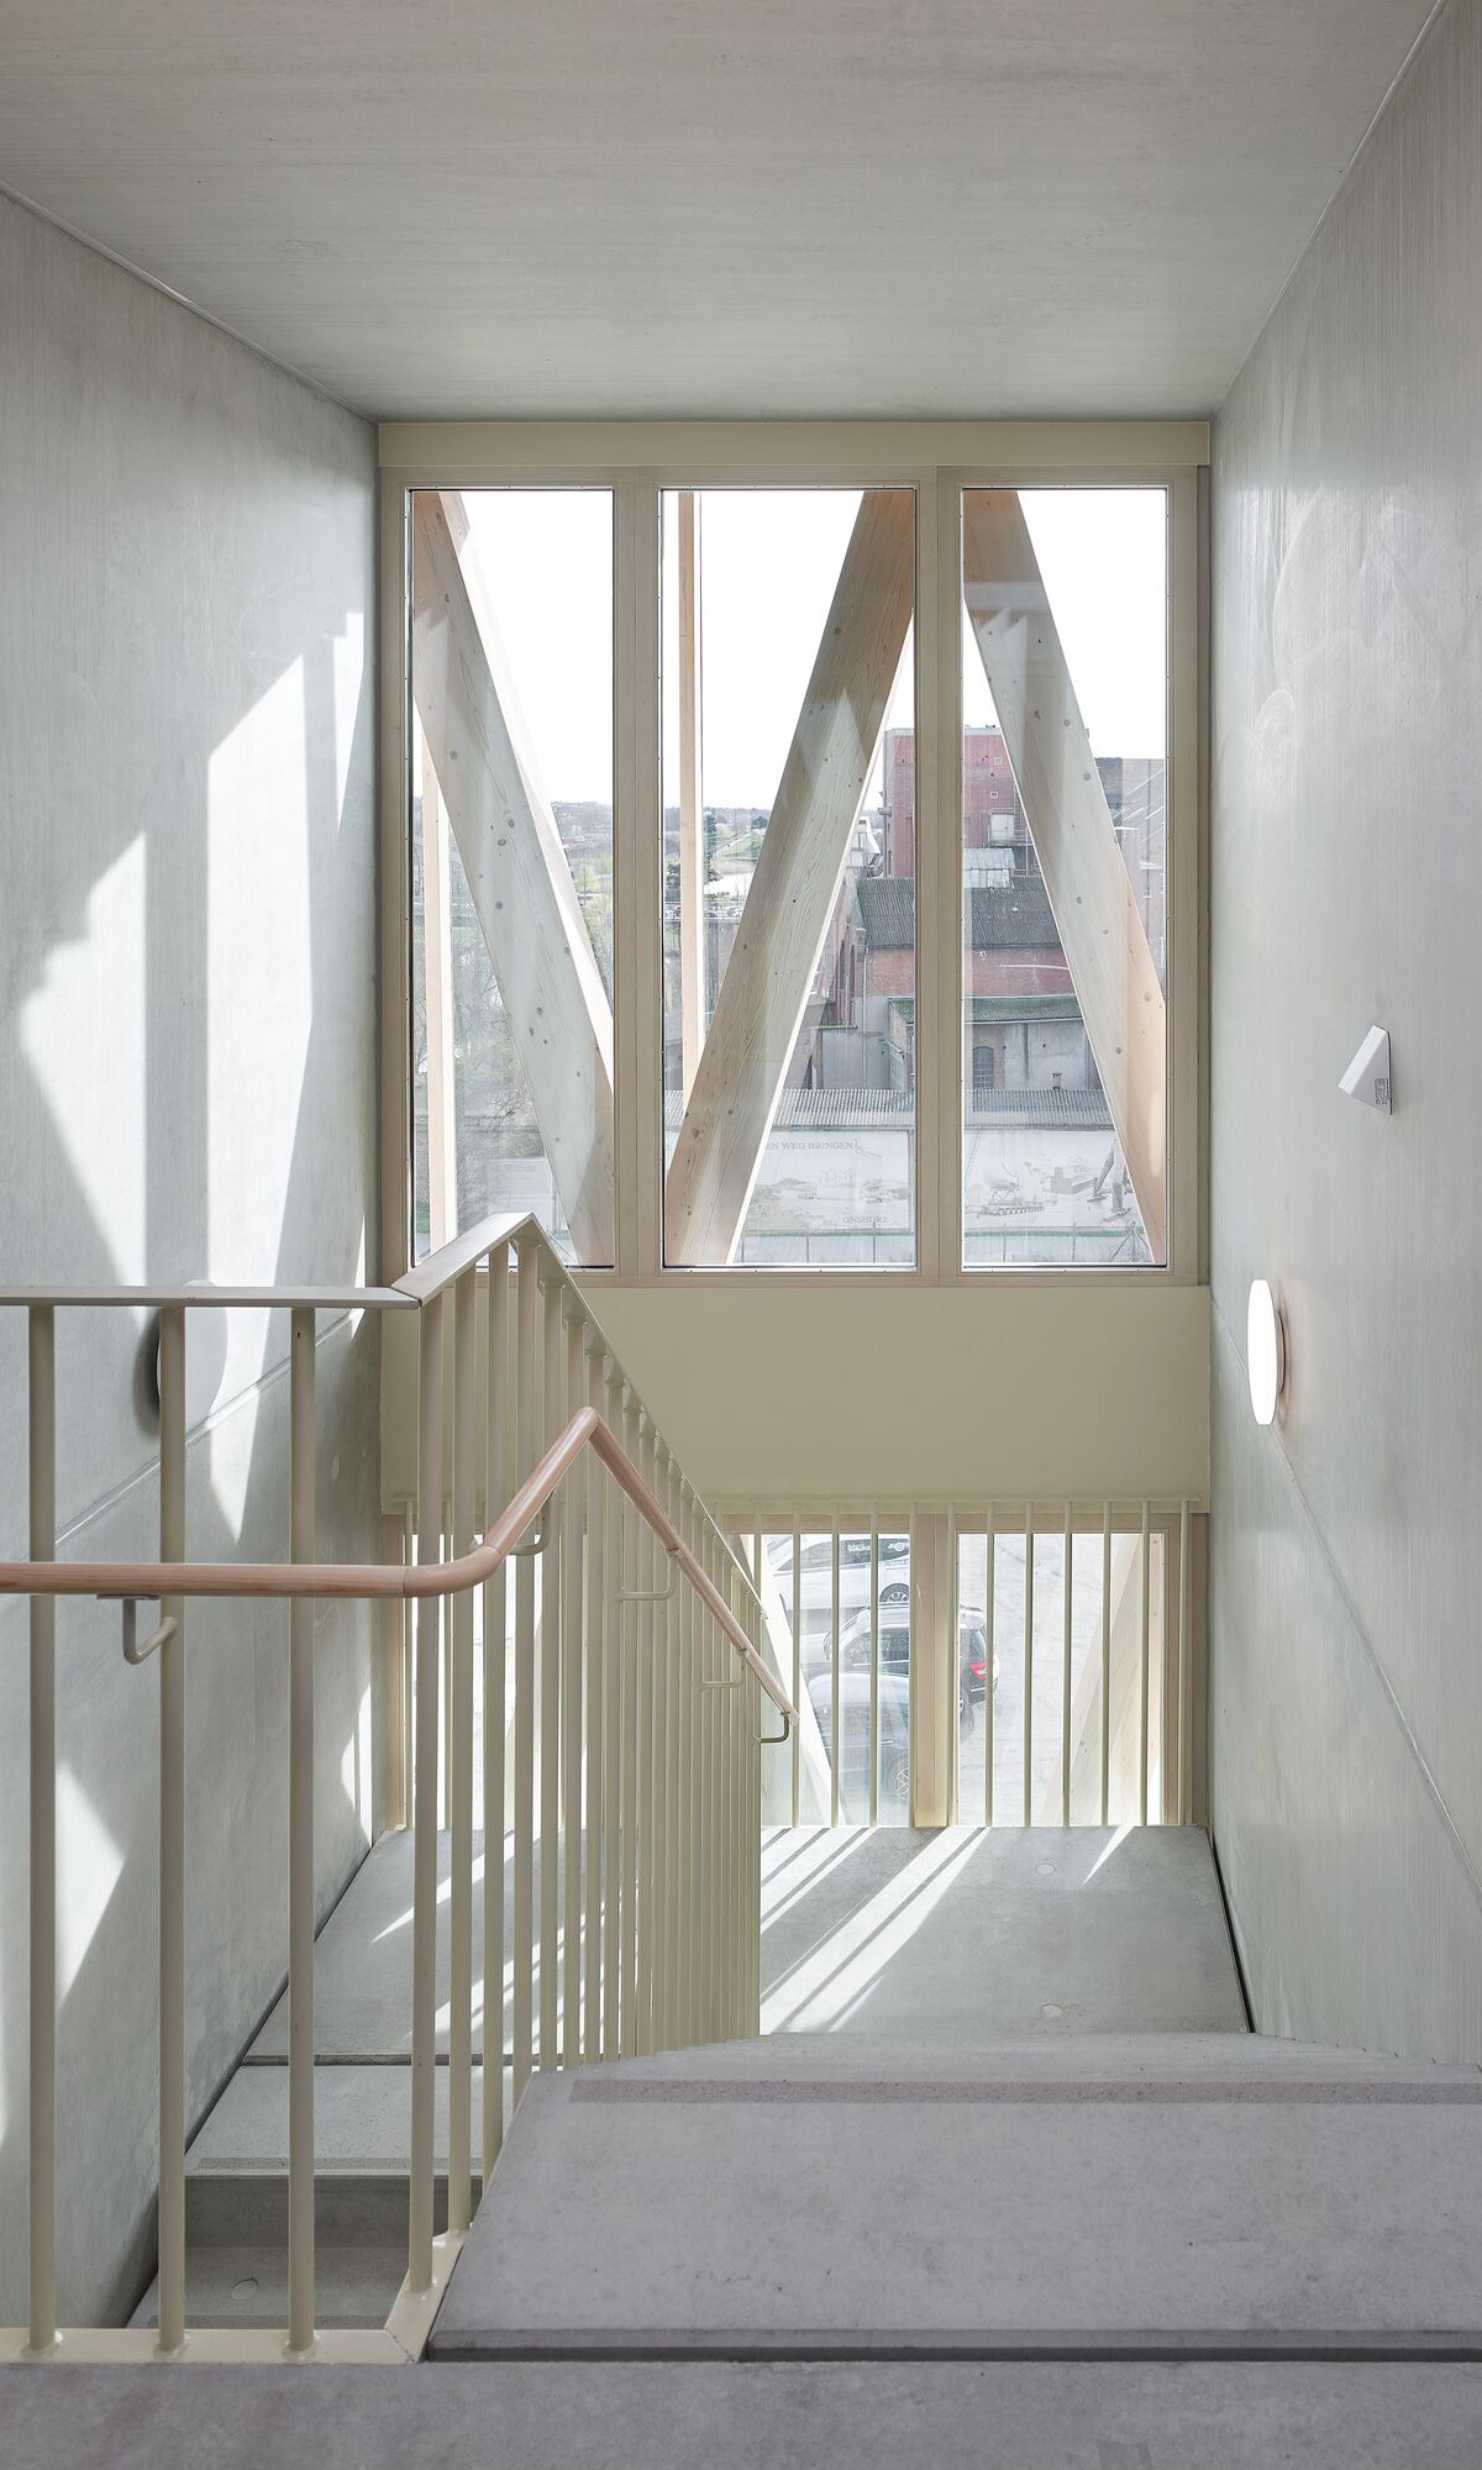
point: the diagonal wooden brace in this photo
(516, 867)
(764, 993)
(1090, 892)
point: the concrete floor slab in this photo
(969, 1934)
(973, 1933)
(775, 2417)
(767, 2214)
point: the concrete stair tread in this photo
(362, 2121)
(355, 2285)
(731, 2417)
(787, 2199)
(1110, 2058)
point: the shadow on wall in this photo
(187, 1072)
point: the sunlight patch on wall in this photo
(357, 1767)
(89, 1867)
(348, 652)
(259, 996)
(83, 1033)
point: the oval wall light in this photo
(1265, 1352)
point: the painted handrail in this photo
(646, 1772)
(359, 1581)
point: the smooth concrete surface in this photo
(978, 1933)
(1346, 889)
(1090, 213)
(969, 1934)
(363, 1959)
(776, 2417)
(362, 2120)
(670, 2210)
(187, 1061)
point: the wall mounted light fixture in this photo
(1265, 1352)
(1367, 1077)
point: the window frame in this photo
(638, 463)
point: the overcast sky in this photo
(770, 559)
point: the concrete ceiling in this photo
(769, 207)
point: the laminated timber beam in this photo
(517, 871)
(1089, 890)
(759, 1010)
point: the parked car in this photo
(816, 1591)
(895, 1656)
(854, 1736)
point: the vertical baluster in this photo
(496, 1598)
(594, 1888)
(714, 1864)
(990, 1555)
(628, 1993)
(460, 1762)
(172, 2087)
(1185, 1685)
(658, 1718)
(1106, 1582)
(1067, 1555)
(754, 1704)
(874, 1665)
(835, 1729)
(1142, 1751)
(301, 1843)
(424, 1812)
(954, 1671)
(527, 1413)
(673, 1771)
(1028, 1663)
(726, 1701)
(689, 1798)
(42, 1337)
(572, 1849)
(797, 1670)
(612, 1740)
(551, 1610)
(646, 1778)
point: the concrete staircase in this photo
(859, 2197)
(1043, 1935)
(955, 2207)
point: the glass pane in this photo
(511, 863)
(1065, 697)
(789, 958)
(1000, 1735)
(816, 1665)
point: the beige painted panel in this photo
(765, 990)
(783, 1394)
(517, 871)
(1065, 806)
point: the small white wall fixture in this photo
(1265, 1352)
(1367, 1077)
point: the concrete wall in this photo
(187, 1060)
(1347, 888)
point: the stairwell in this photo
(1005, 2179)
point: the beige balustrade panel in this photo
(1095, 909)
(516, 867)
(738, 1084)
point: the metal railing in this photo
(635, 1714)
(1050, 1646)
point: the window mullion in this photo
(637, 868)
